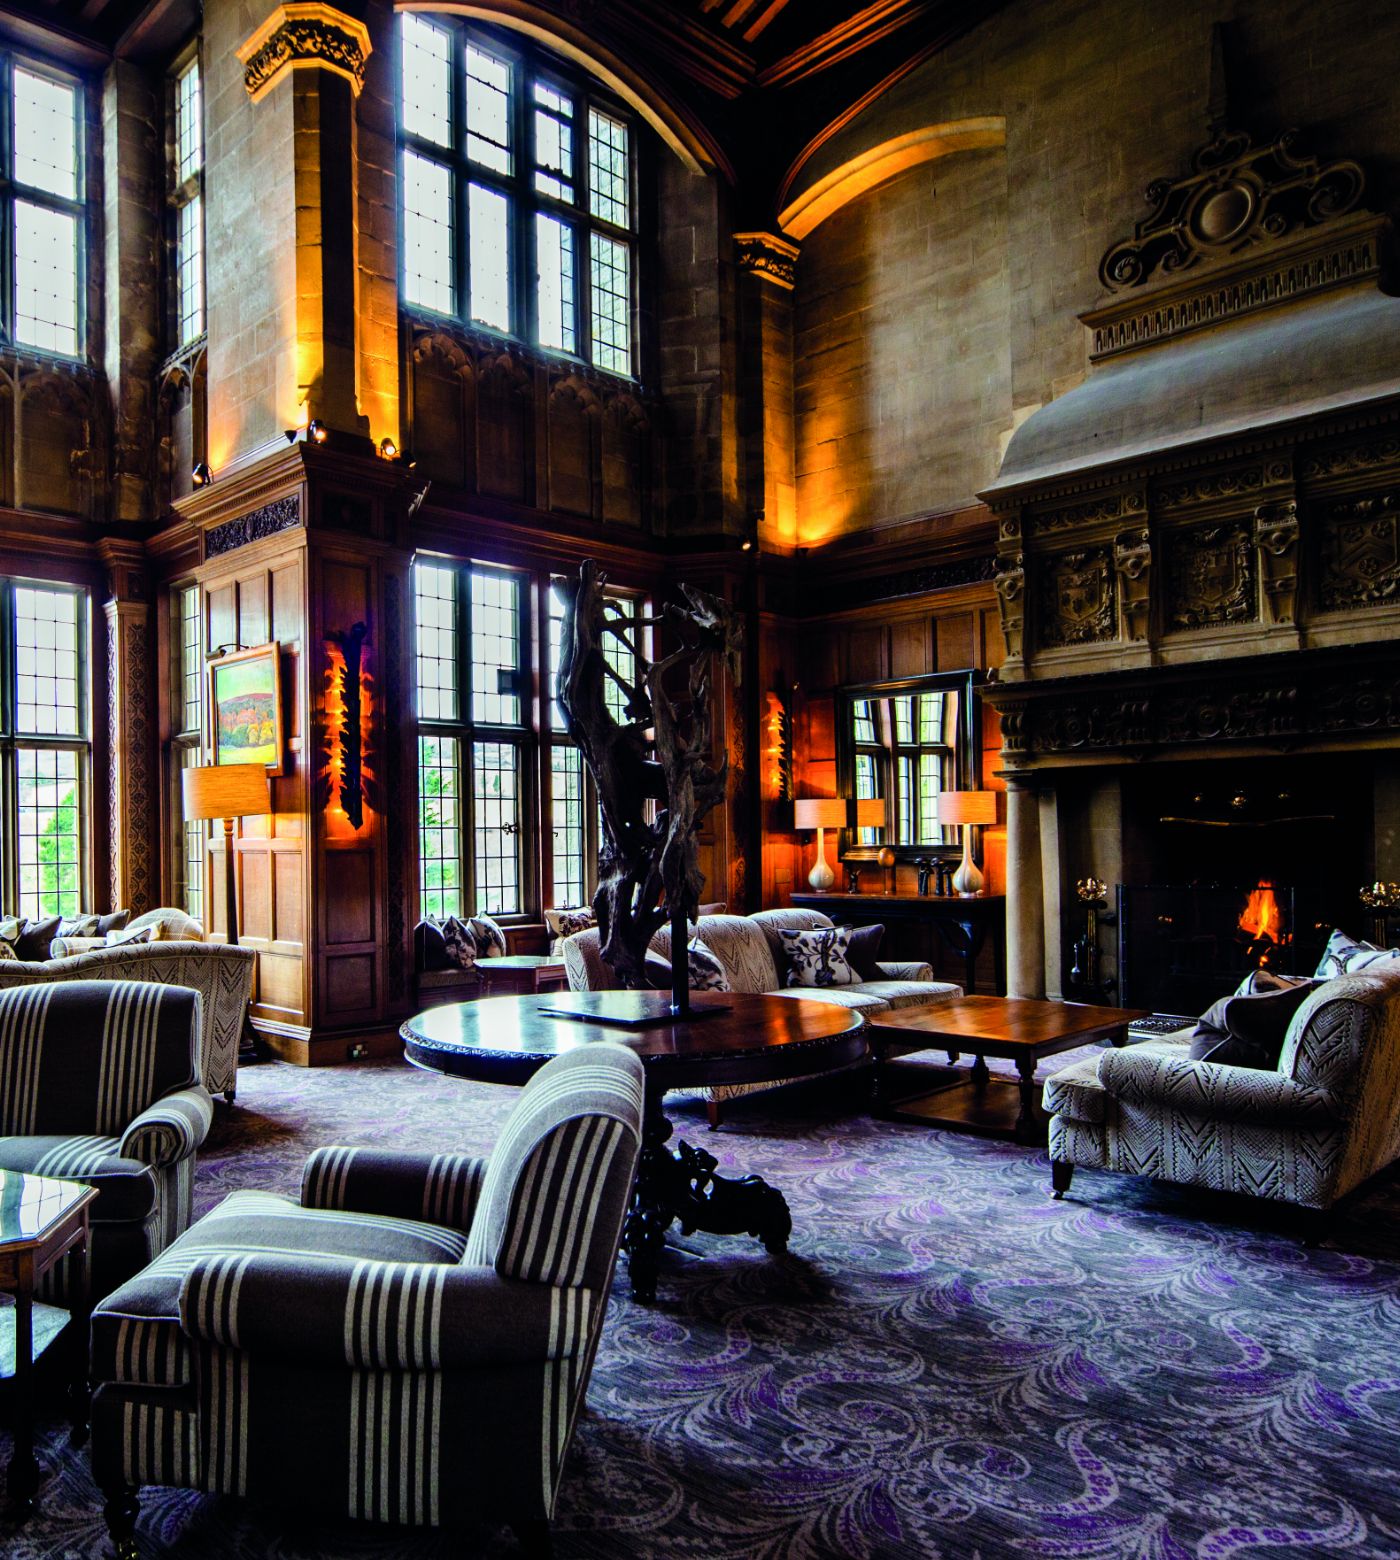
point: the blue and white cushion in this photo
(490, 939)
(1346, 956)
(819, 957)
(706, 973)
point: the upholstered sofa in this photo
(1307, 1133)
(745, 946)
(222, 976)
(411, 1344)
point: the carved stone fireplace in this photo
(1199, 563)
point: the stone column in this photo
(1025, 889)
(767, 275)
(131, 703)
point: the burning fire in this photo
(1262, 920)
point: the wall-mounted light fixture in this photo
(345, 718)
(777, 749)
(201, 476)
(388, 450)
(317, 431)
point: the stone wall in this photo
(1099, 98)
(902, 350)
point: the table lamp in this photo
(969, 808)
(868, 812)
(226, 791)
(820, 813)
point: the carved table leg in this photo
(1027, 1127)
(981, 1074)
(23, 1479)
(685, 1187)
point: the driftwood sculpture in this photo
(652, 768)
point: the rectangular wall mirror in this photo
(902, 743)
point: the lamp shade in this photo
(819, 812)
(866, 813)
(967, 807)
(225, 791)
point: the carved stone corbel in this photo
(1276, 537)
(1132, 560)
(1010, 584)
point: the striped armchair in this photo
(410, 1344)
(99, 1083)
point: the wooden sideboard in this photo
(963, 925)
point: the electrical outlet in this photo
(357, 1053)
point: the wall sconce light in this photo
(388, 450)
(201, 476)
(290, 434)
(317, 431)
(345, 725)
(777, 749)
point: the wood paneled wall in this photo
(250, 597)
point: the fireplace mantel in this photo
(1312, 701)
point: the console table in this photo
(963, 924)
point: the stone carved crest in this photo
(1237, 195)
(1132, 558)
(1276, 537)
(1076, 599)
(1010, 585)
(1361, 553)
(1210, 577)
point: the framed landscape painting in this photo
(245, 697)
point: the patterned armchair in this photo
(98, 1084)
(1307, 1134)
(411, 1344)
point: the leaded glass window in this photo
(517, 193)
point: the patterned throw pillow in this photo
(564, 923)
(78, 926)
(705, 970)
(490, 939)
(819, 958)
(7, 949)
(11, 930)
(1346, 956)
(461, 943)
(139, 934)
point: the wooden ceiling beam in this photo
(866, 28)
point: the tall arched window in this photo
(518, 193)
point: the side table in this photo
(521, 975)
(41, 1221)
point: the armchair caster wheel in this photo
(534, 1539)
(1061, 1174)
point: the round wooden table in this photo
(754, 1039)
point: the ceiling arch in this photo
(677, 128)
(827, 195)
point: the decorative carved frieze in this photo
(1276, 539)
(283, 514)
(1359, 553)
(1010, 582)
(1114, 506)
(768, 256)
(1075, 599)
(1132, 561)
(1384, 451)
(1215, 486)
(1312, 263)
(1236, 195)
(1210, 576)
(304, 33)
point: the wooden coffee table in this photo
(758, 1039)
(970, 1099)
(41, 1221)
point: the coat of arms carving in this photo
(1210, 577)
(1077, 599)
(1361, 554)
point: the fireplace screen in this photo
(1180, 948)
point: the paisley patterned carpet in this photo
(948, 1363)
